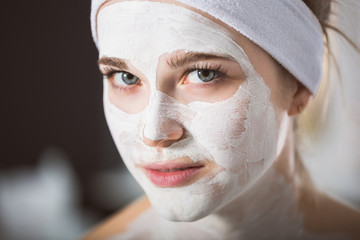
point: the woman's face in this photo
(195, 109)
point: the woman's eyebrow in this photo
(114, 62)
(173, 62)
(190, 57)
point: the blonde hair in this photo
(310, 123)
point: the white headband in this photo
(286, 29)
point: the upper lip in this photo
(179, 163)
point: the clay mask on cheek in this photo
(236, 137)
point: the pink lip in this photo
(171, 174)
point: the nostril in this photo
(172, 138)
(150, 142)
(176, 135)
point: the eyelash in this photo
(220, 72)
(109, 73)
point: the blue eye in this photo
(125, 78)
(206, 75)
(201, 76)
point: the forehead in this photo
(143, 31)
(161, 24)
(180, 4)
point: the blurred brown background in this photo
(52, 120)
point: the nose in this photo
(171, 134)
(162, 128)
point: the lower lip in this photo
(172, 179)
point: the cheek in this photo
(123, 126)
(241, 133)
(131, 100)
(219, 126)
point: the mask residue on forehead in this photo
(239, 133)
(136, 25)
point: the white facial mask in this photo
(239, 134)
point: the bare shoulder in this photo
(333, 215)
(119, 221)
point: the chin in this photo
(188, 204)
(190, 213)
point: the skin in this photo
(171, 66)
(322, 214)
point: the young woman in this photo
(201, 98)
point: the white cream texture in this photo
(240, 133)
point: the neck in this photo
(270, 204)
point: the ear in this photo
(299, 100)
